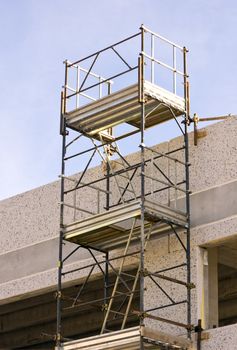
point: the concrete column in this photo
(213, 287)
(202, 287)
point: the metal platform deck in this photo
(110, 229)
(123, 107)
(129, 339)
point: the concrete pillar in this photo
(213, 287)
(202, 287)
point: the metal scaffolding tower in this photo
(127, 201)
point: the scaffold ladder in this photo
(131, 291)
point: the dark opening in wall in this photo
(31, 323)
(217, 287)
(227, 283)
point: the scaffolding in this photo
(127, 202)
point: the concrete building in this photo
(122, 255)
(29, 253)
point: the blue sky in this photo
(36, 36)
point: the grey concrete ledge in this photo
(206, 207)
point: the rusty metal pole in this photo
(63, 132)
(142, 130)
(199, 334)
(186, 142)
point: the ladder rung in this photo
(128, 294)
(116, 312)
(108, 330)
(123, 293)
(127, 274)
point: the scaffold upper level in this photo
(90, 105)
(123, 107)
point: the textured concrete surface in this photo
(30, 223)
(221, 338)
(29, 218)
(35, 258)
(206, 206)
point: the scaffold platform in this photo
(130, 339)
(123, 106)
(110, 229)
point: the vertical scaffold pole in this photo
(106, 269)
(60, 263)
(187, 116)
(142, 127)
(63, 132)
(106, 272)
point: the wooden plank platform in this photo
(123, 107)
(110, 229)
(129, 339)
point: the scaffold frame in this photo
(129, 219)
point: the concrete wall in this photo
(30, 223)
